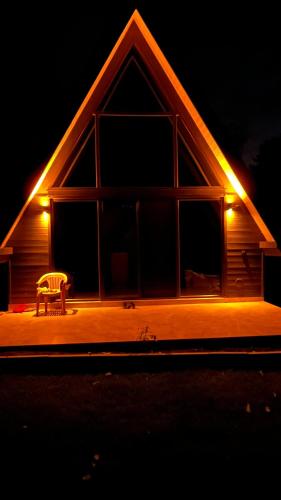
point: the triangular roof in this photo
(137, 36)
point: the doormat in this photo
(69, 312)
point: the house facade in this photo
(138, 201)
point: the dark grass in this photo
(156, 429)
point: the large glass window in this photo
(120, 249)
(75, 246)
(158, 248)
(80, 167)
(138, 247)
(190, 173)
(83, 171)
(132, 91)
(200, 247)
(136, 151)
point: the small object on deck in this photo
(144, 335)
(129, 305)
(19, 308)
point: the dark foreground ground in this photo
(193, 427)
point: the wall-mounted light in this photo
(230, 206)
(44, 201)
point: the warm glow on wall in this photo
(229, 214)
(45, 217)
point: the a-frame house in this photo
(138, 201)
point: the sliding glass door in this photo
(128, 248)
(119, 249)
(75, 246)
(138, 248)
(158, 248)
(200, 230)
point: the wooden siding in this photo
(30, 257)
(243, 256)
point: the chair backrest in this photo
(54, 280)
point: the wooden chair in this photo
(56, 288)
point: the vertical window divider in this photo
(175, 151)
(224, 247)
(99, 204)
(97, 150)
(51, 235)
(178, 260)
(138, 246)
(176, 184)
(99, 238)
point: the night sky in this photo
(228, 65)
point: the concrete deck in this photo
(166, 322)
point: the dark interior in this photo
(119, 249)
(189, 172)
(132, 91)
(75, 245)
(140, 244)
(200, 247)
(136, 151)
(158, 248)
(82, 171)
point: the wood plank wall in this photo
(31, 254)
(243, 256)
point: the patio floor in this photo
(166, 322)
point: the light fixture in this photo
(44, 201)
(231, 206)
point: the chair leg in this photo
(63, 302)
(37, 304)
(46, 305)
